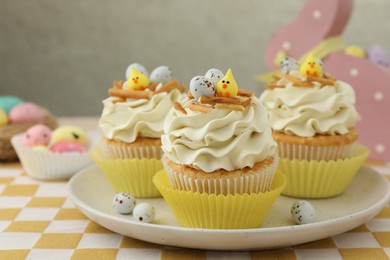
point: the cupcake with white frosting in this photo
(219, 147)
(131, 124)
(313, 118)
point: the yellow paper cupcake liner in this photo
(130, 175)
(202, 210)
(321, 179)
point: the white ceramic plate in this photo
(365, 197)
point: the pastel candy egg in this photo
(302, 212)
(139, 67)
(215, 75)
(27, 113)
(8, 102)
(37, 135)
(41, 148)
(144, 212)
(161, 74)
(69, 133)
(3, 118)
(68, 147)
(377, 54)
(124, 203)
(289, 64)
(201, 86)
(356, 51)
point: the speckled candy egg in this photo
(201, 86)
(144, 212)
(289, 64)
(37, 135)
(3, 118)
(139, 67)
(69, 133)
(215, 75)
(68, 147)
(377, 54)
(26, 113)
(302, 212)
(124, 203)
(9, 102)
(161, 74)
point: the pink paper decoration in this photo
(318, 21)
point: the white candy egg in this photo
(161, 74)
(215, 75)
(201, 86)
(302, 212)
(288, 64)
(124, 202)
(144, 212)
(139, 67)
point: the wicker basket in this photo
(7, 152)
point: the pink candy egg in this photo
(68, 147)
(37, 135)
(26, 113)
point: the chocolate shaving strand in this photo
(298, 82)
(246, 102)
(179, 107)
(182, 88)
(322, 81)
(271, 86)
(126, 93)
(215, 100)
(189, 95)
(118, 100)
(199, 108)
(229, 106)
(152, 86)
(167, 87)
(245, 93)
(118, 84)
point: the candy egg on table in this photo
(26, 113)
(139, 67)
(214, 75)
(161, 74)
(37, 135)
(201, 86)
(9, 102)
(68, 147)
(124, 203)
(289, 64)
(69, 133)
(302, 212)
(144, 212)
(3, 118)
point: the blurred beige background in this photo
(64, 55)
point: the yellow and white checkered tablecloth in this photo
(38, 221)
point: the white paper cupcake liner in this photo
(127, 151)
(318, 153)
(46, 165)
(250, 183)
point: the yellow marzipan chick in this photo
(137, 80)
(311, 67)
(227, 86)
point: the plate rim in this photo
(366, 213)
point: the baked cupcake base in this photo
(321, 179)
(141, 148)
(132, 175)
(248, 180)
(202, 210)
(319, 147)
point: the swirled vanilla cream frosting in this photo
(125, 121)
(307, 111)
(219, 139)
